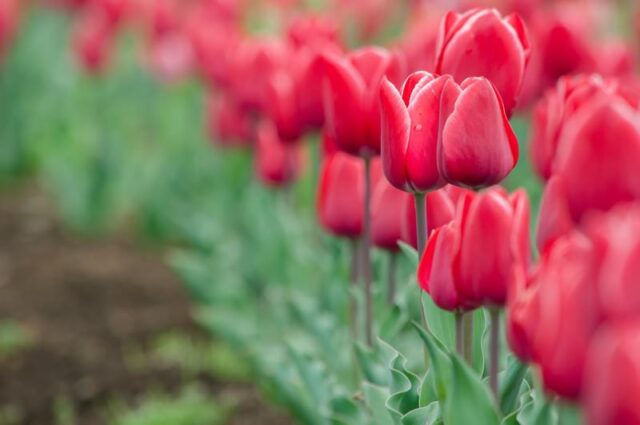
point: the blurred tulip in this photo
(612, 376)
(227, 125)
(170, 57)
(340, 195)
(470, 262)
(351, 100)
(9, 11)
(554, 219)
(476, 144)
(277, 164)
(93, 40)
(481, 43)
(387, 210)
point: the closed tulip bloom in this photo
(598, 155)
(523, 306)
(481, 43)
(476, 144)
(554, 219)
(340, 195)
(277, 164)
(9, 12)
(568, 314)
(616, 237)
(227, 124)
(410, 125)
(470, 262)
(93, 42)
(351, 97)
(440, 210)
(612, 376)
(387, 210)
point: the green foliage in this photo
(13, 338)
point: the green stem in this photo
(354, 276)
(459, 333)
(366, 253)
(467, 326)
(391, 278)
(494, 351)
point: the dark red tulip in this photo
(340, 204)
(567, 314)
(227, 124)
(93, 41)
(387, 211)
(351, 97)
(440, 209)
(476, 144)
(481, 43)
(612, 376)
(471, 261)
(277, 164)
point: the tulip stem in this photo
(421, 236)
(393, 265)
(354, 276)
(459, 332)
(467, 326)
(494, 351)
(366, 253)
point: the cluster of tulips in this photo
(416, 140)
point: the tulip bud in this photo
(340, 195)
(612, 380)
(277, 164)
(481, 43)
(227, 125)
(471, 261)
(387, 211)
(93, 41)
(476, 144)
(351, 101)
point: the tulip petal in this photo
(477, 145)
(435, 272)
(395, 135)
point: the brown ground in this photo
(85, 302)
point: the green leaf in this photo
(441, 323)
(427, 391)
(393, 323)
(481, 329)
(345, 411)
(410, 253)
(371, 364)
(537, 412)
(569, 414)
(376, 397)
(404, 386)
(440, 362)
(471, 401)
(510, 385)
(427, 415)
(512, 419)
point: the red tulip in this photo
(410, 125)
(226, 123)
(476, 145)
(440, 209)
(277, 163)
(471, 261)
(340, 203)
(598, 155)
(351, 100)
(481, 43)
(170, 57)
(387, 211)
(567, 314)
(554, 220)
(616, 237)
(93, 40)
(8, 23)
(612, 376)
(523, 306)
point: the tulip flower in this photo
(554, 220)
(598, 155)
(481, 43)
(227, 125)
(612, 376)
(277, 164)
(351, 101)
(566, 314)
(93, 40)
(9, 11)
(340, 195)
(480, 249)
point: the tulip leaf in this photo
(427, 391)
(569, 414)
(440, 362)
(371, 364)
(481, 331)
(512, 419)
(404, 386)
(427, 415)
(393, 323)
(345, 411)
(470, 401)
(510, 385)
(375, 398)
(539, 411)
(440, 322)
(410, 253)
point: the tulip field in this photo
(389, 212)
